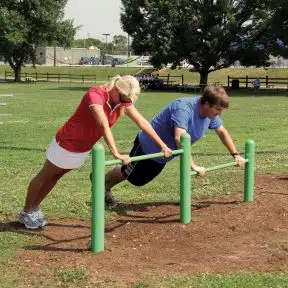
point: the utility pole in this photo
(128, 46)
(106, 35)
(106, 48)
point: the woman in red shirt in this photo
(99, 109)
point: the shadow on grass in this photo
(56, 249)
(133, 211)
(21, 148)
(17, 227)
(77, 88)
(51, 246)
(249, 92)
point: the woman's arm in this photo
(102, 122)
(144, 125)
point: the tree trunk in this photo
(17, 71)
(203, 79)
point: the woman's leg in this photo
(42, 184)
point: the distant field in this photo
(102, 73)
(222, 75)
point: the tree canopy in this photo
(276, 38)
(208, 34)
(120, 40)
(118, 44)
(28, 24)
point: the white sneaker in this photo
(33, 219)
(40, 216)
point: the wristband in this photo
(234, 154)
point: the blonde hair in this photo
(215, 96)
(127, 85)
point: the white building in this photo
(46, 55)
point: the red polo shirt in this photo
(81, 132)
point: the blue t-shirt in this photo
(182, 113)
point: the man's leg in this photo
(112, 178)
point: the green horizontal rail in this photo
(143, 157)
(218, 167)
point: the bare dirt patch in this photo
(226, 235)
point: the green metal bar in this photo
(218, 167)
(98, 193)
(143, 157)
(185, 179)
(249, 171)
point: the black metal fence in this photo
(52, 77)
(266, 82)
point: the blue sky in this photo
(96, 17)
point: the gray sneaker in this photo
(110, 200)
(33, 219)
(40, 216)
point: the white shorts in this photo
(63, 158)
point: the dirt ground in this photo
(226, 235)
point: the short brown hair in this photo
(215, 96)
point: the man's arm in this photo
(226, 139)
(200, 170)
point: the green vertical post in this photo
(98, 194)
(185, 179)
(249, 171)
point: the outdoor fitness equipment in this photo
(98, 183)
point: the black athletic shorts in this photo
(141, 172)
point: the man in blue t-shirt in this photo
(192, 115)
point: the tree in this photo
(276, 38)
(28, 24)
(208, 34)
(120, 41)
(118, 44)
(86, 43)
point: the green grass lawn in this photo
(39, 109)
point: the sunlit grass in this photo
(240, 280)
